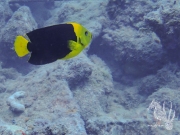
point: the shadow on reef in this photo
(165, 23)
(113, 7)
(125, 68)
(132, 53)
(9, 59)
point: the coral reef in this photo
(5, 13)
(106, 90)
(20, 23)
(165, 23)
(131, 49)
(168, 76)
(61, 94)
(138, 53)
(6, 129)
(70, 11)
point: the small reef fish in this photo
(48, 44)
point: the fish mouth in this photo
(89, 42)
(82, 44)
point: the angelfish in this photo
(48, 44)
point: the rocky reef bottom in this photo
(79, 97)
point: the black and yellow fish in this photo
(51, 43)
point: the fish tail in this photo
(20, 46)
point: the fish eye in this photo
(86, 33)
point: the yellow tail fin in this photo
(20, 46)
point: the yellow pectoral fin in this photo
(73, 45)
(76, 49)
(20, 46)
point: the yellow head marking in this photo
(84, 36)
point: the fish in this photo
(48, 44)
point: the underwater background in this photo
(127, 82)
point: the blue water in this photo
(126, 82)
